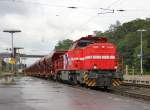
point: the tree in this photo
(63, 45)
(114, 27)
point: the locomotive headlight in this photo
(103, 46)
(115, 67)
(94, 67)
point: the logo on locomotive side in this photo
(67, 61)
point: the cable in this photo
(72, 7)
(113, 3)
(105, 9)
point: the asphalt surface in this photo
(36, 94)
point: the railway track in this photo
(133, 90)
(136, 85)
(129, 90)
(134, 95)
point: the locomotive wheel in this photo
(72, 79)
(105, 87)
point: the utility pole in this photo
(141, 53)
(12, 32)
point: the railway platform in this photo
(28, 93)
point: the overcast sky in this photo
(44, 22)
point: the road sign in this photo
(12, 60)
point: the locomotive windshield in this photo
(84, 43)
(81, 44)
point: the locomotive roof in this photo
(92, 38)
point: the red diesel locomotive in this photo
(91, 61)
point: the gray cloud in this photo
(42, 29)
(10, 7)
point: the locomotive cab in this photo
(85, 41)
(74, 58)
(94, 59)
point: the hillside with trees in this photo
(127, 39)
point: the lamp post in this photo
(141, 54)
(12, 32)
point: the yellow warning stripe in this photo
(120, 82)
(94, 82)
(85, 77)
(116, 82)
(91, 82)
(87, 81)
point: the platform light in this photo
(141, 54)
